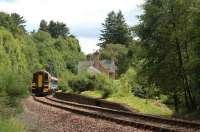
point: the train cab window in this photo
(46, 78)
(34, 78)
(54, 84)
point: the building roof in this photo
(92, 69)
(108, 64)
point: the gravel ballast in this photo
(41, 118)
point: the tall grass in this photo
(11, 125)
(13, 88)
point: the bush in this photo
(89, 82)
(63, 81)
(12, 89)
(104, 84)
(82, 82)
(12, 86)
(139, 91)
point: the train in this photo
(43, 83)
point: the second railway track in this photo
(122, 117)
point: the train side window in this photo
(46, 78)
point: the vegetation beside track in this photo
(162, 62)
(12, 91)
(11, 125)
(147, 106)
(120, 91)
(22, 53)
(95, 94)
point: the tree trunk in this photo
(184, 76)
(176, 102)
(186, 100)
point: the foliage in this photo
(11, 125)
(104, 84)
(116, 41)
(43, 26)
(21, 54)
(89, 82)
(56, 29)
(95, 94)
(115, 30)
(19, 21)
(13, 85)
(58, 55)
(165, 31)
(117, 53)
(143, 105)
(13, 22)
(82, 82)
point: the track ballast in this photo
(137, 120)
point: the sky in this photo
(83, 17)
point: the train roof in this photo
(54, 78)
(42, 71)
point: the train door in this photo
(40, 80)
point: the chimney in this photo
(96, 59)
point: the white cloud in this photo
(75, 13)
(91, 42)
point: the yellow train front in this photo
(43, 83)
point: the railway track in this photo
(122, 117)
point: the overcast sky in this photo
(83, 17)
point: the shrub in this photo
(139, 91)
(82, 82)
(89, 82)
(13, 86)
(104, 84)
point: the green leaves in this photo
(56, 29)
(58, 55)
(168, 33)
(21, 55)
(115, 31)
(12, 22)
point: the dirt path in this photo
(41, 118)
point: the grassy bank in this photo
(142, 105)
(8, 115)
(96, 94)
(11, 125)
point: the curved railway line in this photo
(137, 120)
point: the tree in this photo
(194, 64)
(118, 54)
(115, 40)
(13, 22)
(57, 29)
(115, 31)
(19, 21)
(43, 26)
(164, 37)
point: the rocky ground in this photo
(41, 118)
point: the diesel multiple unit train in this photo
(43, 83)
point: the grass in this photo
(9, 109)
(96, 94)
(141, 105)
(11, 125)
(144, 106)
